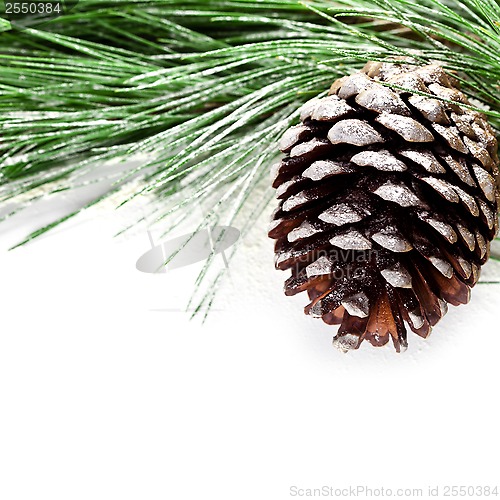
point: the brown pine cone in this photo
(388, 202)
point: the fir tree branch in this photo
(205, 88)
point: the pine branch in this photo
(205, 88)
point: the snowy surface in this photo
(108, 390)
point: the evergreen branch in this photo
(205, 88)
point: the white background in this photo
(108, 391)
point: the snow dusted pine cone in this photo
(388, 202)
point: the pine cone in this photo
(388, 203)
